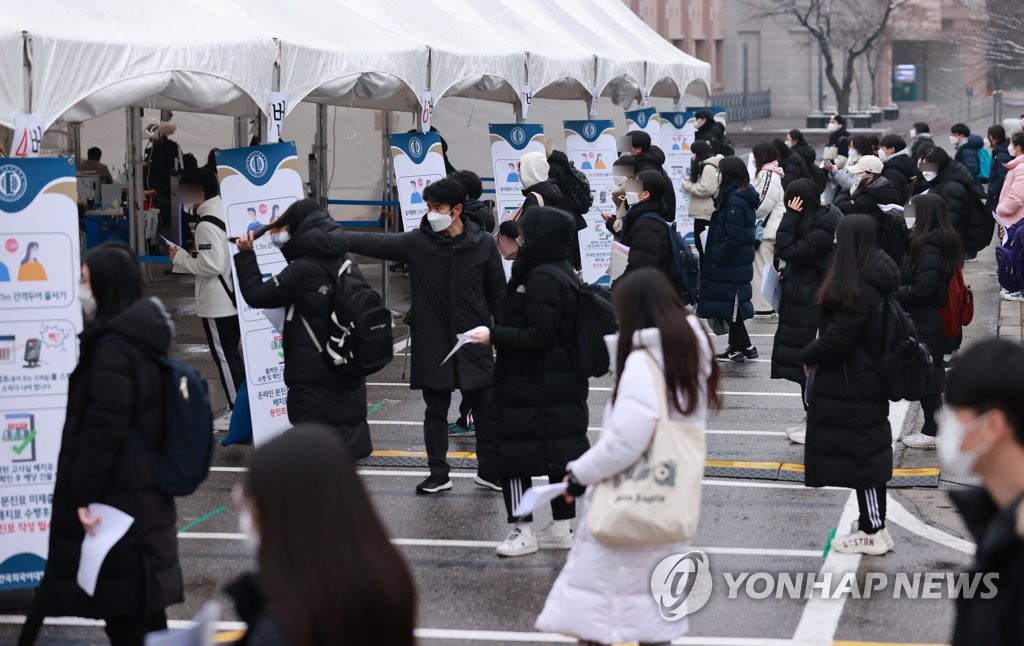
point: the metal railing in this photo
(754, 105)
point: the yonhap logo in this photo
(13, 183)
(681, 584)
(256, 163)
(517, 136)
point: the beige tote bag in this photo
(657, 499)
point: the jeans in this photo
(435, 431)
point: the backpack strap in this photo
(217, 222)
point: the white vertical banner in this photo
(426, 110)
(525, 99)
(509, 142)
(257, 185)
(277, 108)
(590, 146)
(28, 135)
(418, 161)
(678, 131)
(40, 319)
(647, 120)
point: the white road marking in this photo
(898, 514)
(607, 389)
(401, 345)
(381, 422)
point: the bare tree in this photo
(844, 32)
(995, 47)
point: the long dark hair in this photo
(701, 151)
(862, 144)
(292, 217)
(797, 137)
(764, 153)
(653, 182)
(644, 299)
(733, 170)
(28, 252)
(781, 149)
(931, 215)
(115, 278)
(326, 565)
(807, 191)
(856, 241)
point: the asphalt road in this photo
(467, 595)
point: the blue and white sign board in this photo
(509, 142)
(678, 132)
(40, 319)
(648, 120)
(590, 145)
(257, 185)
(418, 161)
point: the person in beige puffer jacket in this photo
(702, 187)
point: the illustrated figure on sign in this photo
(254, 224)
(415, 198)
(513, 174)
(599, 163)
(675, 143)
(585, 164)
(5, 275)
(274, 210)
(31, 269)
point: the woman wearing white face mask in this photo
(842, 178)
(982, 433)
(837, 148)
(315, 248)
(115, 397)
(1011, 198)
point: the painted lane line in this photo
(203, 518)
(401, 345)
(607, 389)
(379, 422)
(898, 514)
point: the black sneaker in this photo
(750, 353)
(724, 355)
(487, 482)
(434, 484)
(736, 356)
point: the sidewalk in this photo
(1011, 321)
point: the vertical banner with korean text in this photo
(678, 130)
(257, 184)
(591, 146)
(40, 319)
(509, 142)
(648, 120)
(418, 161)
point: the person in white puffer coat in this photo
(768, 184)
(603, 594)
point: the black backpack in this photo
(594, 319)
(686, 269)
(183, 461)
(359, 340)
(575, 187)
(906, 364)
(981, 226)
(894, 237)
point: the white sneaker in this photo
(1015, 296)
(919, 441)
(520, 542)
(222, 423)
(556, 536)
(859, 542)
(797, 434)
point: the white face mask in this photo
(252, 537)
(439, 221)
(913, 133)
(953, 140)
(279, 238)
(633, 198)
(188, 207)
(1014, 151)
(790, 143)
(88, 302)
(832, 127)
(955, 460)
(929, 175)
(853, 156)
(882, 156)
(857, 177)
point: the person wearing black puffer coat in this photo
(728, 267)
(115, 397)
(848, 435)
(645, 229)
(898, 166)
(935, 254)
(793, 165)
(948, 178)
(315, 248)
(652, 158)
(540, 398)
(804, 243)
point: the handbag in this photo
(657, 499)
(509, 247)
(760, 225)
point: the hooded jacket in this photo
(654, 159)
(457, 284)
(1011, 197)
(967, 154)
(713, 133)
(837, 148)
(868, 197)
(479, 212)
(648, 239)
(916, 143)
(997, 173)
(316, 391)
(703, 191)
(541, 401)
(211, 264)
(729, 256)
(115, 394)
(923, 292)
(900, 170)
(771, 196)
(603, 592)
(958, 189)
(849, 443)
(806, 256)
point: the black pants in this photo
(132, 632)
(435, 431)
(465, 411)
(698, 228)
(872, 509)
(931, 405)
(224, 338)
(738, 337)
(512, 490)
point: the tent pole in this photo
(321, 190)
(26, 53)
(241, 132)
(75, 141)
(385, 197)
(133, 172)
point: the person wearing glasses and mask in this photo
(314, 247)
(458, 284)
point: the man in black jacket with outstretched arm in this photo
(457, 284)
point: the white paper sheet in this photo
(276, 317)
(891, 208)
(771, 287)
(620, 258)
(536, 496)
(112, 527)
(168, 242)
(462, 339)
(203, 633)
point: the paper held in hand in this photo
(771, 286)
(536, 496)
(463, 339)
(112, 527)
